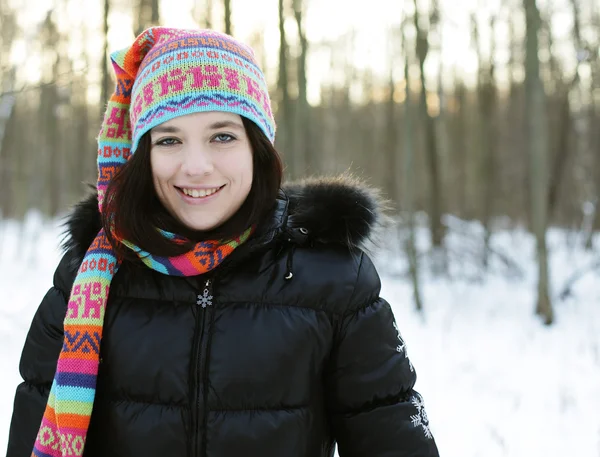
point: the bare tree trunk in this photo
(155, 15)
(365, 131)
(203, 15)
(49, 103)
(209, 14)
(559, 164)
(304, 147)
(538, 149)
(513, 120)
(105, 89)
(51, 128)
(460, 147)
(139, 22)
(7, 105)
(435, 204)
(565, 124)
(392, 183)
(487, 137)
(228, 26)
(442, 121)
(84, 150)
(410, 243)
(285, 109)
(595, 144)
(595, 133)
(7, 120)
(146, 14)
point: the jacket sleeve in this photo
(374, 409)
(38, 364)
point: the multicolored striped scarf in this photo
(69, 409)
(140, 72)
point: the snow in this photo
(495, 381)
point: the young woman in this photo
(200, 309)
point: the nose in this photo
(197, 161)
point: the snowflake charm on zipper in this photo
(206, 298)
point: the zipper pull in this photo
(206, 298)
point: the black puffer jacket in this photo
(242, 361)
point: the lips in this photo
(199, 193)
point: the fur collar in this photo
(339, 210)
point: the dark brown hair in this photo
(137, 212)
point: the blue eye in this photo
(223, 138)
(167, 142)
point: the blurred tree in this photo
(595, 109)
(146, 14)
(408, 180)
(303, 146)
(105, 89)
(203, 16)
(515, 120)
(48, 114)
(565, 123)
(85, 149)
(366, 134)
(435, 198)
(486, 132)
(537, 134)
(592, 55)
(392, 154)
(8, 31)
(228, 25)
(459, 146)
(284, 101)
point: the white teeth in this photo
(196, 193)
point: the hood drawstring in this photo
(297, 237)
(289, 274)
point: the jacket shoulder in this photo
(342, 280)
(65, 272)
(367, 286)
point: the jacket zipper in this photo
(204, 300)
(200, 378)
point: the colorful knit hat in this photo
(167, 73)
(189, 71)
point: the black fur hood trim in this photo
(337, 210)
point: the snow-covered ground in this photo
(496, 382)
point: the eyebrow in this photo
(223, 124)
(164, 129)
(214, 126)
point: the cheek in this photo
(247, 169)
(160, 169)
(237, 167)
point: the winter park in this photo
(299, 228)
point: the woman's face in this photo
(202, 167)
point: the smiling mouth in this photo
(198, 193)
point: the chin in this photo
(200, 226)
(198, 222)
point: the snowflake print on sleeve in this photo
(402, 348)
(420, 418)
